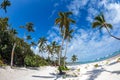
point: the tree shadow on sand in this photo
(95, 73)
(43, 76)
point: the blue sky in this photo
(87, 43)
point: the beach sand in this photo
(107, 70)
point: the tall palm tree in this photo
(64, 23)
(74, 58)
(101, 23)
(29, 28)
(42, 44)
(68, 36)
(5, 4)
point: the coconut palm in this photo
(4, 24)
(28, 37)
(64, 23)
(5, 4)
(68, 36)
(13, 33)
(29, 27)
(33, 43)
(42, 44)
(74, 58)
(49, 50)
(101, 23)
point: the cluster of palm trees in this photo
(64, 24)
(53, 49)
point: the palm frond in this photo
(71, 20)
(109, 26)
(68, 13)
(57, 20)
(96, 24)
(60, 14)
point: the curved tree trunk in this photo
(111, 34)
(65, 53)
(12, 55)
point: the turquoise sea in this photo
(96, 60)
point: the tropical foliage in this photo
(74, 58)
(101, 23)
(64, 24)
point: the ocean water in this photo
(96, 60)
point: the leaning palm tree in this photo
(5, 4)
(101, 23)
(68, 36)
(64, 23)
(42, 44)
(13, 33)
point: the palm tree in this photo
(5, 4)
(3, 24)
(101, 23)
(54, 46)
(74, 58)
(42, 44)
(13, 33)
(33, 43)
(29, 27)
(49, 50)
(64, 22)
(68, 36)
(28, 37)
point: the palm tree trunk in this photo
(12, 54)
(111, 34)
(65, 53)
(60, 54)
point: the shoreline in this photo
(106, 70)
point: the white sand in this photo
(107, 70)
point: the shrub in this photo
(1, 63)
(64, 68)
(96, 65)
(34, 61)
(118, 60)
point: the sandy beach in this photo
(107, 70)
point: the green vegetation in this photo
(63, 68)
(96, 65)
(34, 61)
(101, 23)
(74, 58)
(16, 51)
(64, 24)
(118, 60)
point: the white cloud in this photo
(76, 5)
(86, 50)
